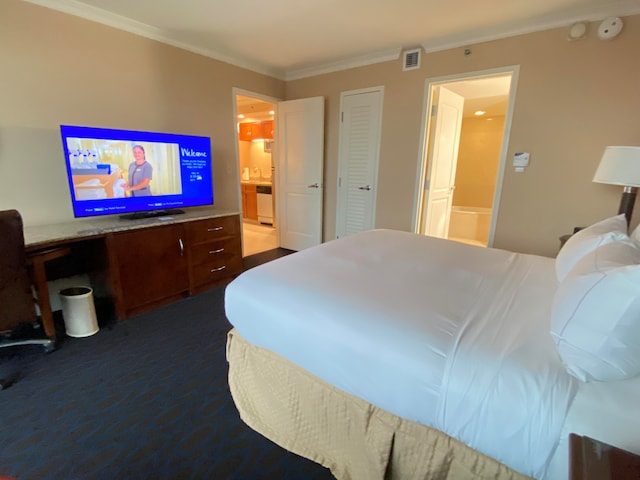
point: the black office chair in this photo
(18, 319)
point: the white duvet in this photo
(449, 335)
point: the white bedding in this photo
(449, 335)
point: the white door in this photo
(298, 172)
(361, 119)
(444, 142)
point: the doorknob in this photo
(314, 185)
(366, 187)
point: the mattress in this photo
(451, 336)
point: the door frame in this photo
(423, 170)
(239, 91)
(342, 161)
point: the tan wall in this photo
(60, 69)
(244, 155)
(573, 99)
(478, 161)
(251, 155)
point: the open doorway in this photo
(467, 123)
(255, 117)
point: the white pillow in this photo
(635, 236)
(595, 320)
(588, 239)
(615, 254)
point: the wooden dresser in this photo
(148, 263)
(214, 251)
(157, 265)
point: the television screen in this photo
(123, 171)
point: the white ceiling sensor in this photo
(411, 59)
(609, 28)
(578, 30)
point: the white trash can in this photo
(78, 311)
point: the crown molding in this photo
(346, 64)
(617, 9)
(104, 17)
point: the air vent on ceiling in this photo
(411, 59)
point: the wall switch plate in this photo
(520, 161)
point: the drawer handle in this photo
(216, 251)
(214, 229)
(213, 270)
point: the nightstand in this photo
(563, 239)
(590, 459)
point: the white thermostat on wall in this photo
(520, 161)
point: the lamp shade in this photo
(619, 166)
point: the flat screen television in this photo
(135, 174)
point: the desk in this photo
(37, 261)
(143, 263)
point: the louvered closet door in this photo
(361, 119)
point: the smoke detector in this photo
(578, 30)
(411, 59)
(610, 28)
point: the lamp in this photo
(621, 166)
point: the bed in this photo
(392, 355)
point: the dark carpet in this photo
(146, 398)
(264, 257)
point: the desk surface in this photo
(45, 236)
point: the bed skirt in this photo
(354, 439)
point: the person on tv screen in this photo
(140, 172)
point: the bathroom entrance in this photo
(467, 120)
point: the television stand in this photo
(142, 265)
(151, 214)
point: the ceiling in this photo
(253, 109)
(488, 94)
(291, 39)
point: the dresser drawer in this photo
(212, 229)
(214, 252)
(218, 269)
